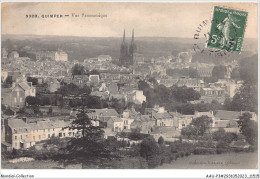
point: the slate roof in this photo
(145, 118)
(162, 115)
(105, 112)
(227, 115)
(115, 119)
(22, 127)
(25, 86)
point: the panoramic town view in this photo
(126, 102)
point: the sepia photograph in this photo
(129, 85)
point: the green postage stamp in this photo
(227, 29)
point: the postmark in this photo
(227, 29)
(201, 37)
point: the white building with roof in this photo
(22, 135)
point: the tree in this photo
(248, 128)
(202, 124)
(149, 150)
(219, 72)
(235, 74)
(245, 99)
(90, 146)
(33, 80)
(31, 100)
(160, 140)
(189, 131)
(184, 94)
(77, 69)
(248, 69)
(142, 85)
(9, 80)
(9, 112)
(218, 135)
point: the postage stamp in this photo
(227, 29)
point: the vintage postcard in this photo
(129, 85)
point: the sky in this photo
(148, 19)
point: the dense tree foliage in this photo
(160, 140)
(248, 128)
(218, 72)
(72, 89)
(150, 150)
(78, 69)
(89, 147)
(171, 97)
(202, 124)
(246, 98)
(197, 127)
(190, 132)
(33, 80)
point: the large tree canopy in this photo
(248, 128)
(78, 69)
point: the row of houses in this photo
(18, 133)
(24, 133)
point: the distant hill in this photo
(80, 48)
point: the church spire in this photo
(133, 35)
(124, 36)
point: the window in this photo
(183, 125)
(39, 136)
(21, 100)
(49, 135)
(33, 137)
(18, 94)
(14, 100)
(60, 134)
(15, 144)
(43, 130)
(49, 130)
(52, 129)
(64, 134)
(15, 137)
(21, 136)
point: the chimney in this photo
(161, 110)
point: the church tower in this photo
(132, 48)
(127, 54)
(123, 51)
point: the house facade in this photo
(22, 134)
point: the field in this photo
(38, 164)
(221, 161)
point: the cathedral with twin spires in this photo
(127, 53)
